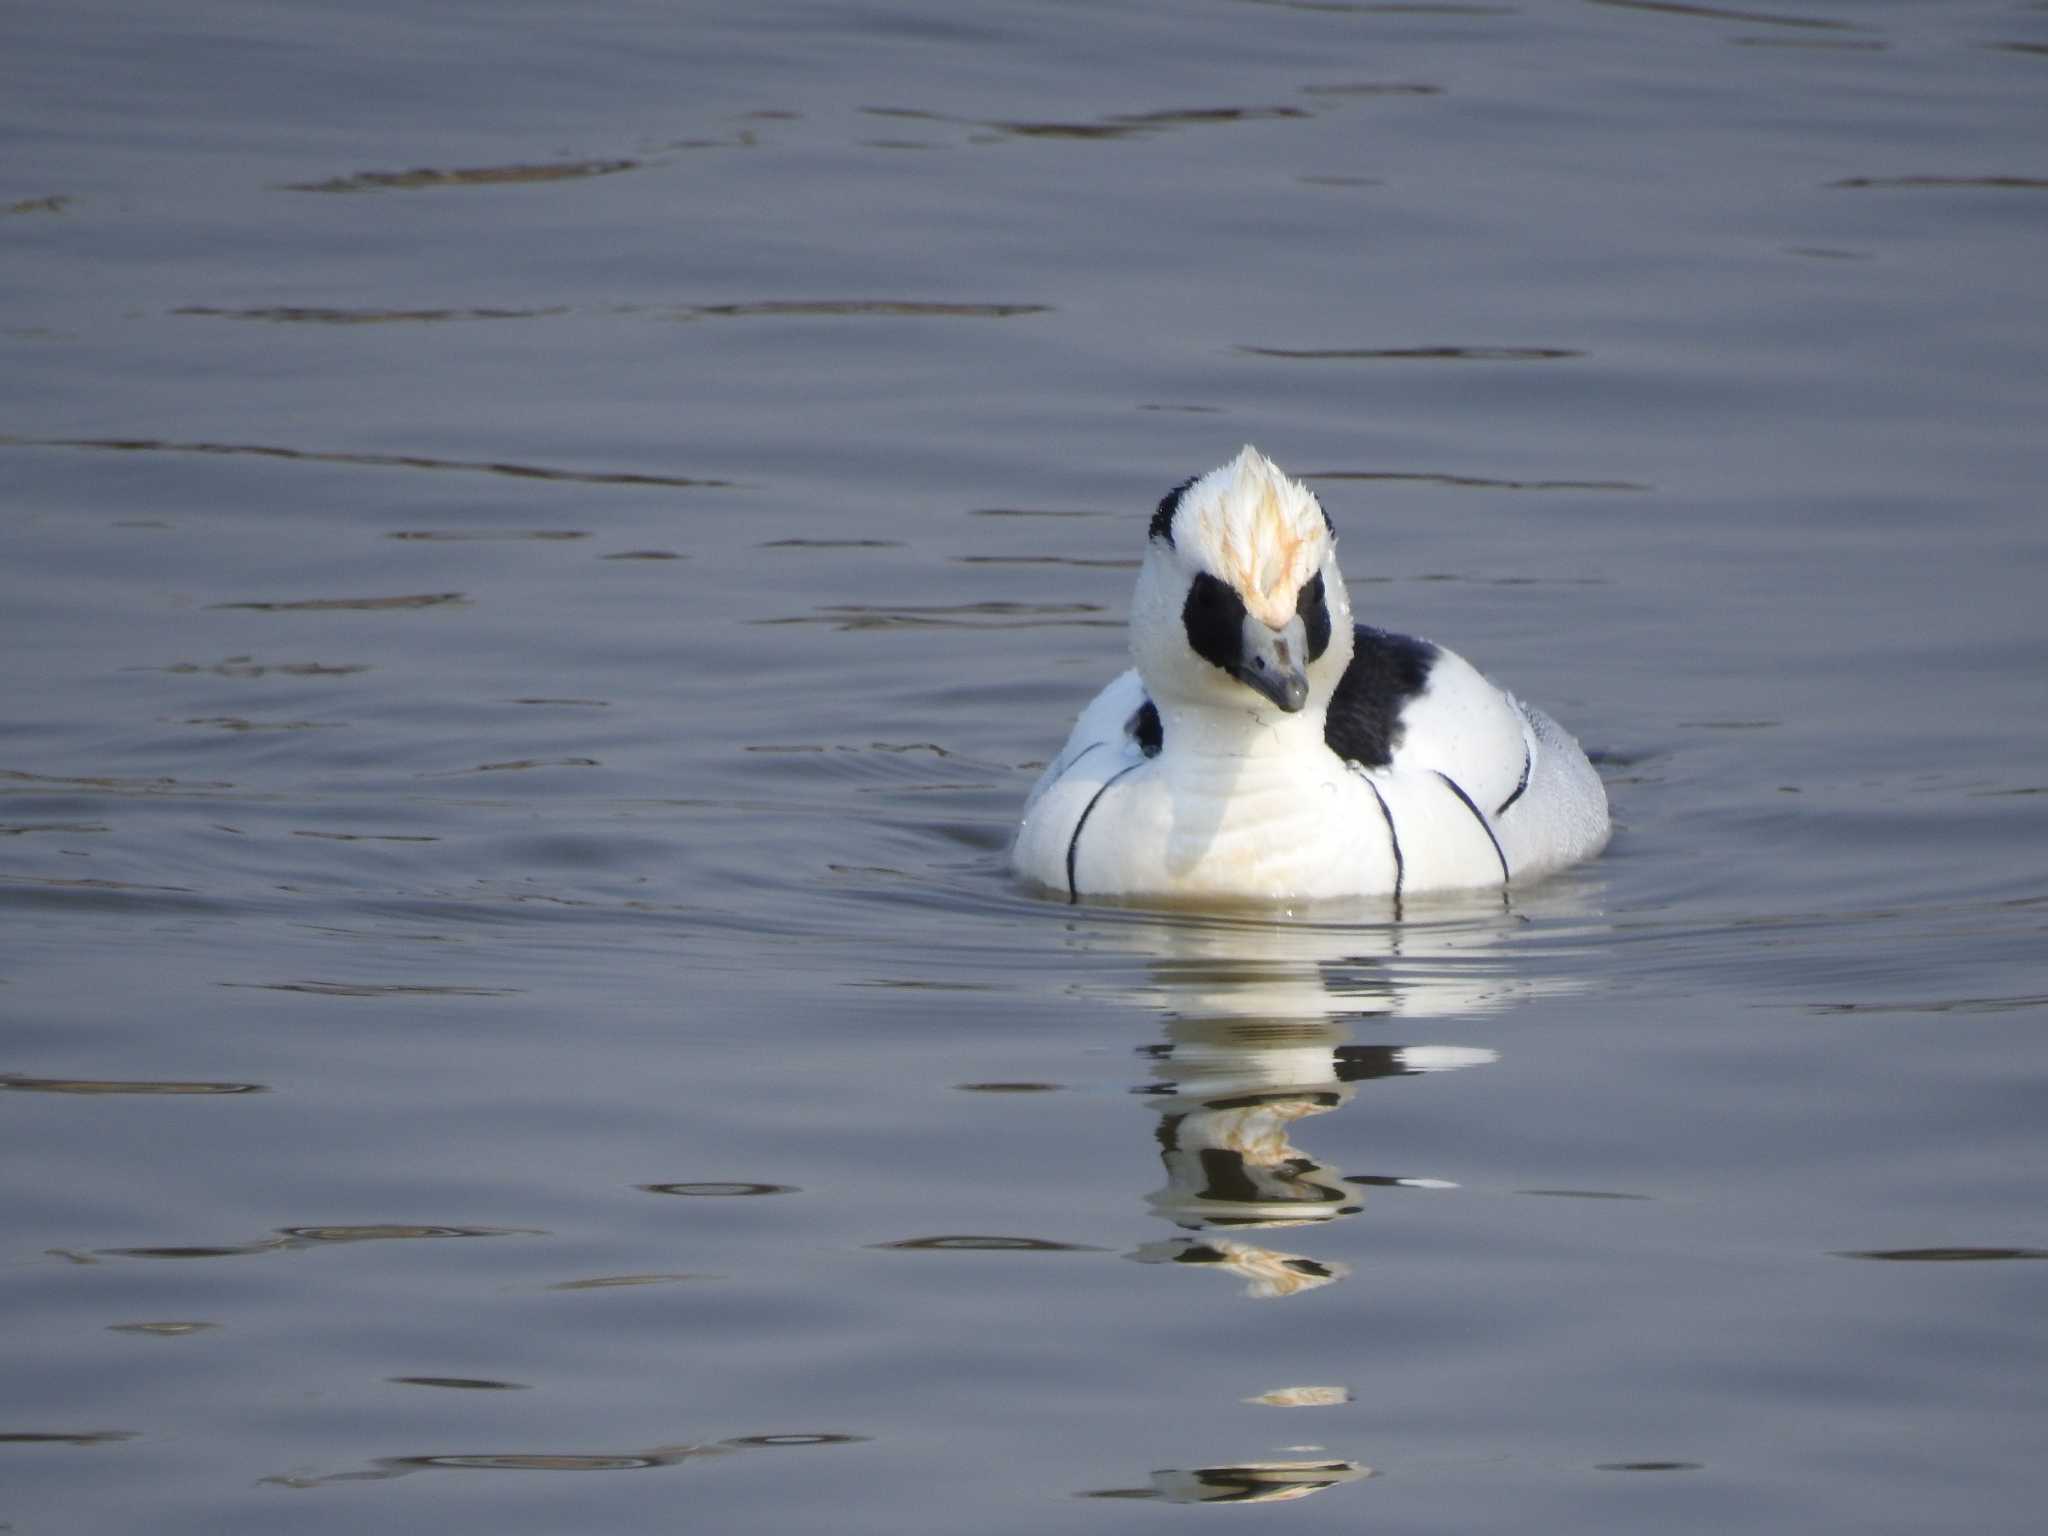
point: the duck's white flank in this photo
(1265, 747)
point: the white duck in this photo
(1264, 748)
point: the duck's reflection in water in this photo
(1259, 1027)
(1229, 1092)
(1261, 1024)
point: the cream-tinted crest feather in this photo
(1262, 532)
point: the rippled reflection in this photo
(1259, 1025)
(1250, 1482)
(286, 1239)
(388, 1467)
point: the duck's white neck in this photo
(1197, 732)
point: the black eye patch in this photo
(1213, 617)
(1315, 615)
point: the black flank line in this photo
(1400, 864)
(1075, 759)
(1479, 817)
(1074, 843)
(1528, 762)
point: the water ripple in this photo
(370, 460)
(1436, 354)
(299, 314)
(1944, 1255)
(2009, 183)
(481, 176)
(1723, 13)
(898, 308)
(87, 1085)
(967, 1243)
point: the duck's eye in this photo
(1314, 611)
(1213, 617)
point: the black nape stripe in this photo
(1393, 837)
(1144, 728)
(1213, 617)
(1074, 842)
(1162, 519)
(1458, 790)
(1528, 762)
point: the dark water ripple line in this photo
(1723, 13)
(975, 1243)
(239, 724)
(387, 1467)
(67, 1436)
(1476, 482)
(1118, 125)
(313, 314)
(1388, 7)
(1373, 88)
(14, 1082)
(719, 1189)
(248, 667)
(371, 989)
(830, 544)
(1432, 354)
(367, 837)
(481, 535)
(2002, 183)
(119, 784)
(369, 460)
(1944, 1255)
(1650, 1466)
(479, 176)
(618, 1282)
(1584, 1194)
(87, 883)
(913, 309)
(289, 1239)
(2021, 1004)
(513, 765)
(348, 604)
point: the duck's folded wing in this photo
(1104, 742)
(1460, 725)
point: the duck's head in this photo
(1240, 605)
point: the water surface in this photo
(542, 553)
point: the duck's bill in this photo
(1271, 662)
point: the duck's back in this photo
(1418, 712)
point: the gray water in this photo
(543, 548)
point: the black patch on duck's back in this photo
(1213, 617)
(1144, 728)
(1162, 519)
(1386, 671)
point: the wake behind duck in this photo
(1265, 747)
